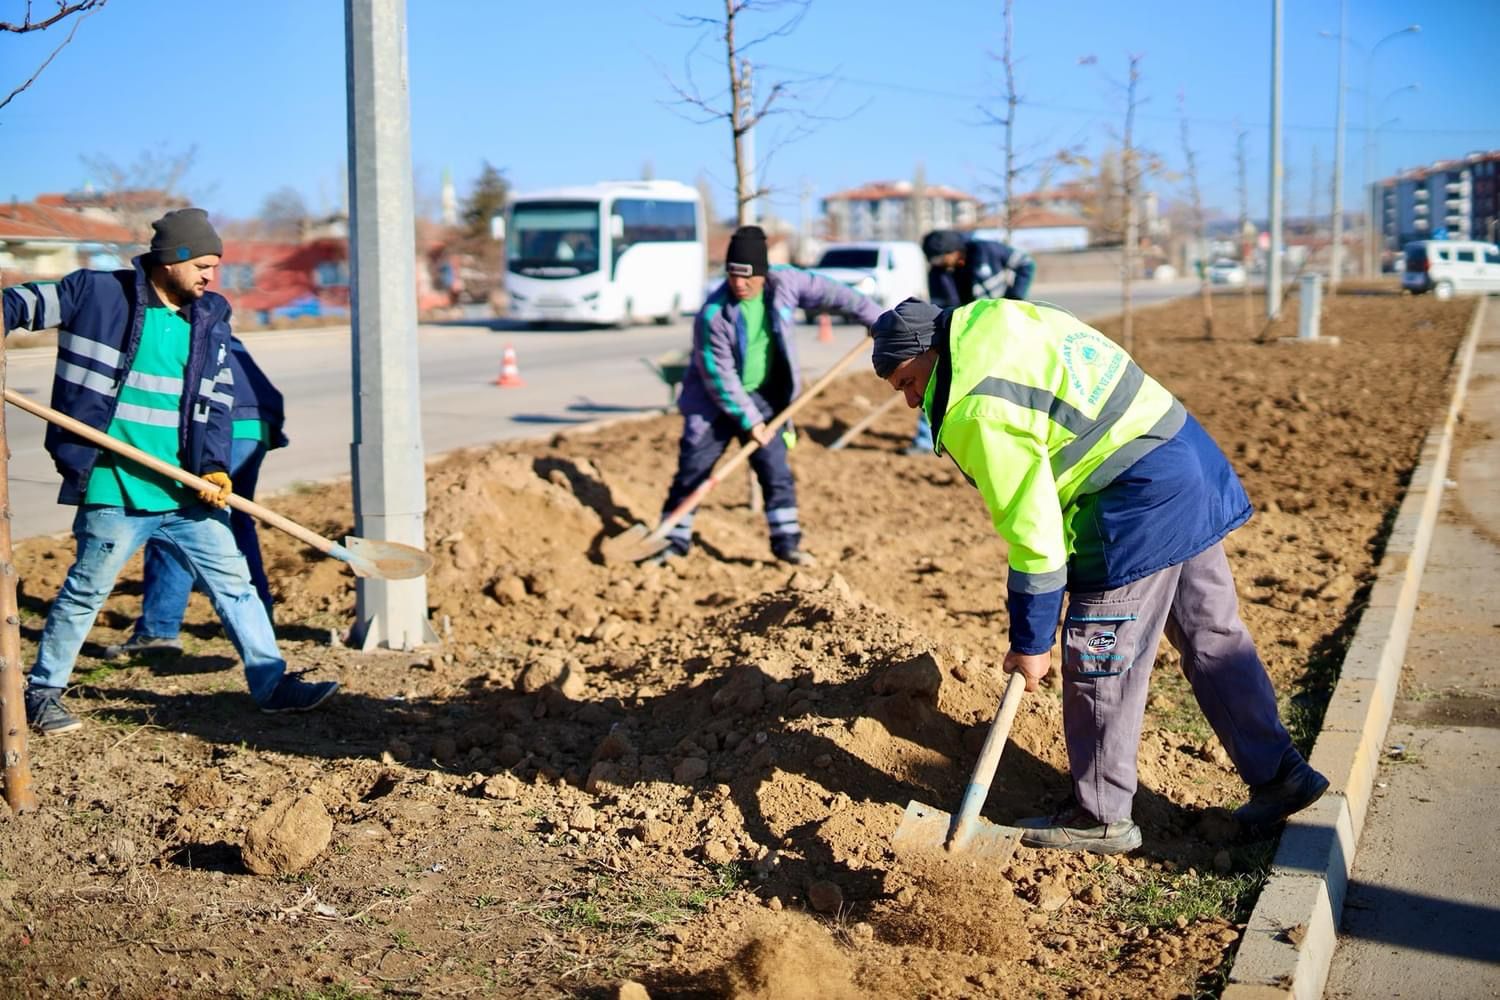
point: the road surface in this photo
(571, 376)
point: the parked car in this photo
(1226, 272)
(888, 271)
(1451, 267)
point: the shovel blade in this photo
(927, 830)
(632, 545)
(384, 560)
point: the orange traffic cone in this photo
(825, 329)
(510, 371)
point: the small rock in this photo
(802, 581)
(584, 818)
(570, 683)
(1052, 893)
(287, 836)
(774, 903)
(822, 760)
(717, 852)
(614, 746)
(825, 896)
(654, 831)
(541, 673)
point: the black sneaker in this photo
(142, 644)
(1074, 829)
(1298, 787)
(45, 714)
(797, 557)
(293, 694)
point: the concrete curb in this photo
(1289, 941)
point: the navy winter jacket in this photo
(712, 385)
(255, 398)
(99, 316)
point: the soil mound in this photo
(792, 959)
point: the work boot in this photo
(45, 714)
(797, 557)
(1297, 787)
(661, 558)
(292, 694)
(1073, 829)
(142, 644)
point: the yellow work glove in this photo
(219, 498)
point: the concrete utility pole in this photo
(1375, 224)
(390, 489)
(1337, 264)
(1273, 259)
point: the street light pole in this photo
(390, 482)
(1372, 225)
(1337, 264)
(1273, 261)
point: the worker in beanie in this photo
(744, 371)
(143, 356)
(1105, 488)
(961, 270)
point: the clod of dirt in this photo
(920, 676)
(287, 836)
(631, 990)
(501, 786)
(204, 790)
(1052, 893)
(825, 896)
(792, 958)
(690, 770)
(953, 904)
(584, 818)
(508, 590)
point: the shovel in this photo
(924, 828)
(640, 542)
(366, 556)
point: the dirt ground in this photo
(688, 776)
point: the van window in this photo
(1465, 256)
(1492, 255)
(866, 257)
(1442, 253)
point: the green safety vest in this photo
(1041, 410)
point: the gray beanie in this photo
(902, 333)
(184, 234)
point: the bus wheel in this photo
(675, 311)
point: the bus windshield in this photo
(554, 239)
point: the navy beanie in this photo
(184, 234)
(942, 241)
(902, 333)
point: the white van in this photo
(888, 271)
(1451, 267)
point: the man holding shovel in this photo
(744, 371)
(1105, 487)
(143, 354)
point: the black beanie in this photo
(942, 241)
(184, 234)
(747, 247)
(902, 333)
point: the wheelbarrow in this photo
(671, 368)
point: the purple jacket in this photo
(712, 385)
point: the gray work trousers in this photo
(1110, 640)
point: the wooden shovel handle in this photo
(182, 476)
(989, 759)
(743, 453)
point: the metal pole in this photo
(390, 490)
(1373, 227)
(1337, 263)
(1273, 264)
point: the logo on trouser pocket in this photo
(1101, 642)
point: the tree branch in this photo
(90, 6)
(64, 10)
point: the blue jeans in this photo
(169, 582)
(199, 538)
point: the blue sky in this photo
(575, 91)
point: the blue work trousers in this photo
(199, 538)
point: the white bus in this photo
(618, 252)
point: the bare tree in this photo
(1200, 229)
(139, 192)
(1244, 227)
(80, 11)
(283, 214)
(744, 111)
